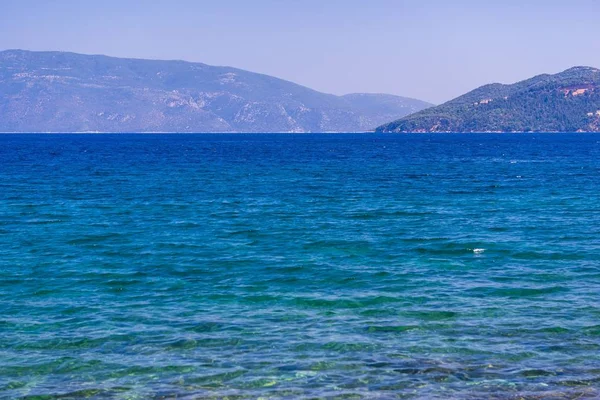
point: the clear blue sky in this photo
(429, 49)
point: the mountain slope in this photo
(565, 102)
(66, 92)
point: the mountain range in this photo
(565, 102)
(67, 92)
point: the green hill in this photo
(565, 102)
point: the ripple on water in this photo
(299, 266)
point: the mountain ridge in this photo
(565, 102)
(71, 92)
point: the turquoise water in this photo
(290, 266)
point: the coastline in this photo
(304, 133)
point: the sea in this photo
(289, 266)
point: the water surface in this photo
(290, 266)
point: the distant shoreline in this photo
(298, 133)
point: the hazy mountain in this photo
(565, 102)
(66, 92)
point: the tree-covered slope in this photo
(66, 92)
(565, 102)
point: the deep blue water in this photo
(287, 266)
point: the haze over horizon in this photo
(428, 50)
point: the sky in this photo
(432, 50)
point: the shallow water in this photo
(286, 266)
